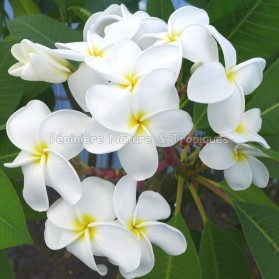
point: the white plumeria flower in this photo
(187, 27)
(211, 82)
(38, 63)
(88, 229)
(238, 161)
(44, 157)
(246, 130)
(135, 123)
(129, 64)
(141, 219)
(116, 23)
(79, 82)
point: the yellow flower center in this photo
(172, 37)
(136, 229)
(39, 151)
(82, 226)
(240, 128)
(132, 81)
(139, 121)
(239, 156)
(96, 52)
(231, 76)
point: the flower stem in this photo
(215, 188)
(179, 194)
(197, 201)
(184, 103)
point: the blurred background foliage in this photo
(241, 241)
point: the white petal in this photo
(260, 174)
(34, 191)
(218, 155)
(254, 137)
(91, 20)
(226, 115)
(249, 74)
(123, 29)
(97, 199)
(198, 44)
(100, 140)
(124, 55)
(81, 248)
(57, 238)
(119, 245)
(17, 53)
(186, 16)
(151, 206)
(63, 131)
(209, 84)
(46, 71)
(22, 127)
(124, 199)
(74, 51)
(119, 107)
(80, 81)
(252, 120)
(239, 176)
(162, 57)
(227, 48)
(169, 126)
(23, 158)
(168, 238)
(61, 176)
(149, 91)
(249, 150)
(146, 261)
(139, 157)
(62, 215)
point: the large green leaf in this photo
(101, 5)
(42, 29)
(260, 227)
(220, 256)
(82, 13)
(22, 7)
(11, 89)
(251, 25)
(183, 266)
(160, 8)
(6, 271)
(13, 228)
(200, 116)
(267, 99)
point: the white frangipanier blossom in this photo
(128, 64)
(43, 158)
(87, 229)
(246, 130)
(84, 77)
(116, 23)
(38, 63)
(141, 219)
(187, 28)
(239, 162)
(134, 123)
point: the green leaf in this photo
(251, 26)
(160, 8)
(42, 29)
(272, 167)
(6, 271)
(260, 227)
(198, 3)
(13, 228)
(267, 99)
(251, 195)
(11, 89)
(23, 7)
(220, 256)
(177, 267)
(82, 13)
(101, 5)
(200, 116)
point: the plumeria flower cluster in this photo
(128, 66)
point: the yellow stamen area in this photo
(138, 120)
(96, 52)
(135, 228)
(172, 37)
(83, 226)
(132, 81)
(239, 156)
(39, 151)
(231, 76)
(240, 128)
